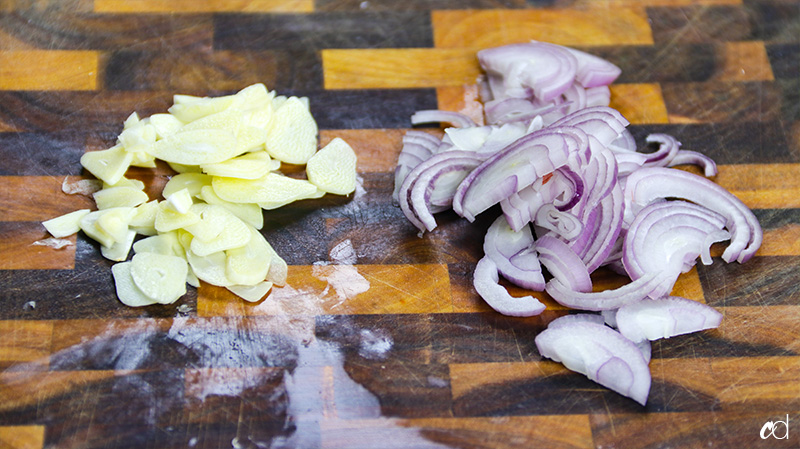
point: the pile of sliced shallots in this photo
(575, 195)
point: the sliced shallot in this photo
(666, 317)
(601, 354)
(487, 283)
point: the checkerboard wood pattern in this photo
(417, 360)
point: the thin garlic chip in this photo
(217, 230)
(65, 225)
(165, 125)
(144, 218)
(210, 269)
(201, 146)
(273, 190)
(160, 277)
(126, 182)
(228, 120)
(251, 293)
(194, 182)
(108, 165)
(127, 291)
(333, 168)
(122, 196)
(247, 166)
(118, 252)
(292, 135)
(249, 264)
(165, 243)
(188, 109)
(107, 226)
(169, 220)
(278, 269)
(250, 213)
(180, 201)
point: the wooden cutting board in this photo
(396, 351)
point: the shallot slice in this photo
(509, 171)
(688, 157)
(653, 183)
(486, 281)
(666, 317)
(456, 119)
(601, 354)
(607, 299)
(670, 235)
(563, 264)
(511, 251)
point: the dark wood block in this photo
(395, 29)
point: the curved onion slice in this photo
(563, 264)
(535, 69)
(669, 236)
(594, 71)
(456, 119)
(666, 317)
(607, 229)
(694, 158)
(544, 202)
(510, 251)
(668, 147)
(607, 299)
(563, 224)
(416, 190)
(486, 282)
(652, 183)
(604, 123)
(509, 171)
(572, 318)
(600, 353)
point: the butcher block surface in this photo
(395, 350)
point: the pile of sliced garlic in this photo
(227, 152)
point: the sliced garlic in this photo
(169, 220)
(251, 293)
(127, 291)
(202, 146)
(191, 181)
(217, 230)
(107, 165)
(273, 190)
(122, 196)
(292, 135)
(65, 225)
(333, 168)
(118, 252)
(160, 277)
(249, 264)
(250, 213)
(247, 166)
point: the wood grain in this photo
(640, 103)
(391, 68)
(477, 28)
(25, 343)
(22, 437)
(185, 6)
(48, 70)
(24, 247)
(336, 289)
